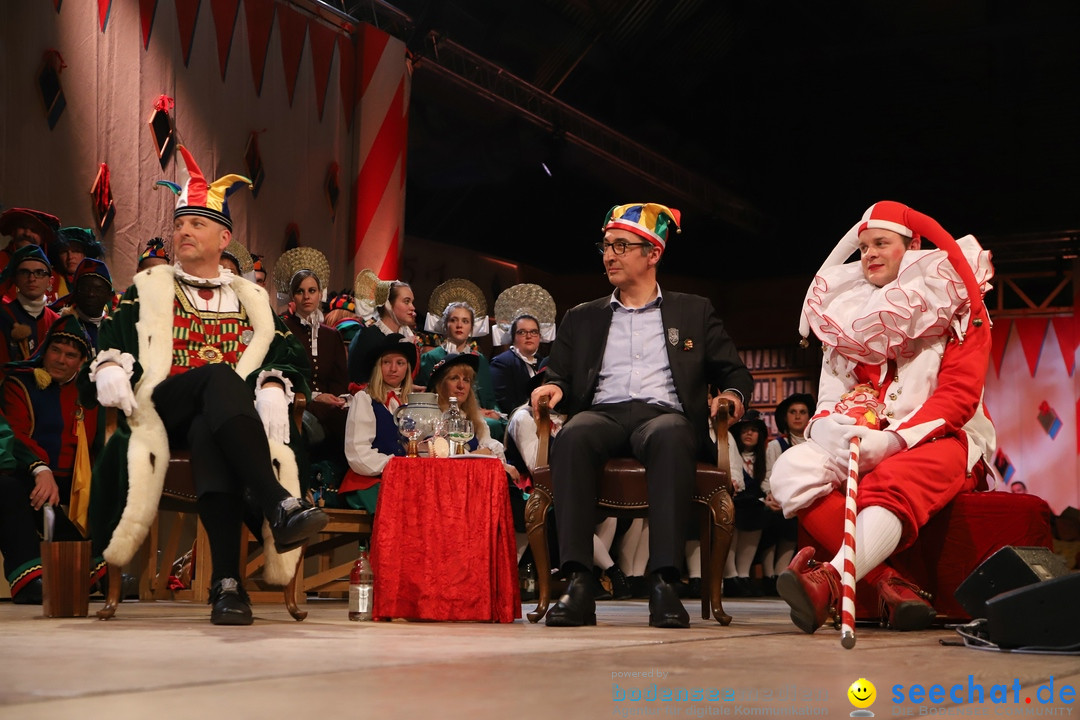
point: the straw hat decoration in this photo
(295, 260)
(370, 293)
(241, 257)
(523, 299)
(457, 290)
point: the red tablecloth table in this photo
(443, 542)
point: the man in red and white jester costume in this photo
(908, 323)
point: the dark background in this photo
(803, 113)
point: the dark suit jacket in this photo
(511, 378)
(699, 351)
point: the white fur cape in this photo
(148, 449)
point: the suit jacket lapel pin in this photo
(673, 336)
(688, 345)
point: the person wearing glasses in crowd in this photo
(512, 370)
(26, 227)
(633, 371)
(26, 318)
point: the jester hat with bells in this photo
(197, 197)
(935, 290)
(651, 221)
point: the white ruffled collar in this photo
(225, 277)
(868, 324)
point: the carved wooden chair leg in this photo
(112, 600)
(536, 509)
(290, 590)
(722, 510)
(706, 560)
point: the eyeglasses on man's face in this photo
(618, 247)
(26, 273)
(527, 333)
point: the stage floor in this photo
(159, 660)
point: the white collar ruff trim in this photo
(872, 325)
(225, 277)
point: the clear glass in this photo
(411, 429)
(459, 431)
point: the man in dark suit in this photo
(635, 370)
(512, 370)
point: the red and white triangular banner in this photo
(147, 9)
(225, 13)
(1068, 336)
(187, 12)
(347, 76)
(292, 26)
(1032, 332)
(103, 7)
(999, 338)
(260, 21)
(322, 42)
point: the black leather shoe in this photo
(230, 603)
(693, 590)
(30, 594)
(294, 522)
(577, 606)
(665, 608)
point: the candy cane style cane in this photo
(862, 404)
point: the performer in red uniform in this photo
(52, 431)
(910, 324)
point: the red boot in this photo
(812, 589)
(904, 606)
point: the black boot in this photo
(577, 606)
(230, 602)
(620, 586)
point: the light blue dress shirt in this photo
(635, 365)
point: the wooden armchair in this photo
(178, 495)
(623, 492)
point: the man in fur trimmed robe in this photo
(195, 359)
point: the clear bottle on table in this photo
(452, 421)
(361, 587)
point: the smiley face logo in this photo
(862, 693)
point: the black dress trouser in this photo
(662, 439)
(211, 412)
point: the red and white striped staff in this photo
(862, 404)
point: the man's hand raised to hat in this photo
(114, 389)
(553, 393)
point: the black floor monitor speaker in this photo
(1007, 569)
(1042, 615)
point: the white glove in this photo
(114, 389)
(273, 409)
(875, 446)
(832, 433)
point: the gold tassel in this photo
(80, 476)
(42, 378)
